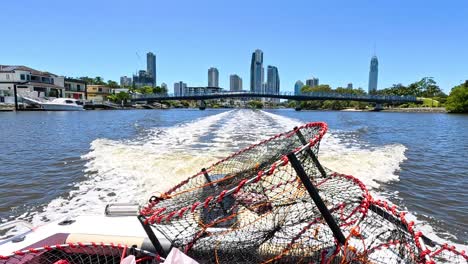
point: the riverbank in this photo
(417, 110)
(155, 106)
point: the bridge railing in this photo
(331, 95)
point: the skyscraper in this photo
(164, 86)
(179, 88)
(350, 86)
(235, 83)
(312, 82)
(373, 74)
(256, 71)
(151, 66)
(297, 87)
(273, 81)
(213, 77)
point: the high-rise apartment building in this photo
(151, 67)
(213, 77)
(235, 83)
(312, 82)
(125, 81)
(273, 80)
(179, 88)
(373, 74)
(297, 87)
(256, 71)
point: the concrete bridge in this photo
(378, 99)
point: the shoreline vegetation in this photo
(433, 99)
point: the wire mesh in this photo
(79, 253)
(253, 208)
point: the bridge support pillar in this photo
(378, 107)
(298, 106)
(201, 105)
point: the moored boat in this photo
(63, 104)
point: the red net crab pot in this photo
(275, 202)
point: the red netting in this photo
(253, 207)
(79, 253)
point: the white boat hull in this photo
(61, 107)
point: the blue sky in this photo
(331, 40)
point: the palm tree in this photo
(99, 80)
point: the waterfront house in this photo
(30, 82)
(98, 93)
(76, 89)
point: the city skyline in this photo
(403, 33)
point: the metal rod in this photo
(16, 97)
(152, 237)
(310, 152)
(223, 205)
(207, 177)
(314, 194)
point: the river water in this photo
(54, 164)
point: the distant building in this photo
(297, 87)
(264, 88)
(120, 90)
(179, 88)
(373, 74)
(75, 88)
(312, 82)
(200, 90)
(30, 82)
(151, 67)
(350, 86)
(213, 77)
(125, 81)
(273, 80)
(142, 79)
(98, 93)
(235, 83)
(256, 71)
(164, 85)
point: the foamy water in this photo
(130, 171)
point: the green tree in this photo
(120, 97)
(160, 90)
(87, 79)
(255, 104)
(145, 90)
(457, 101)
(112, 84)
(318, 88)
(429, 87)
(99, 81)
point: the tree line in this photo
(425, 88)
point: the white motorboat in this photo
(63, 104)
